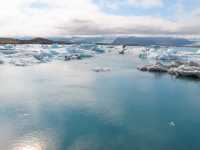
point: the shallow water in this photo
(66, 106)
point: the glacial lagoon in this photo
(66, 105)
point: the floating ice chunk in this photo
(171, 51)
(99, 49)
(143, 54)
(86, 55)
(73, 50)
(53, 52)
(26, 115)
(78, 56)
(87, 46)
(171, 124)
(101, 69)
(149, 53)
(43, 56)
(198, 52)
(45, 46)
(55, 46)
(7, 52)
(8, 47)
(168, 54)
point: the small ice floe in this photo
(101, 69)
(43, 56)
(87, 46)
(171, 124)
(98, 49)
(26, 115)
(198, 52)
(79, 56)
(55, 46)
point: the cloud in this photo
(84, 17)
(146, 3)
(118, 25)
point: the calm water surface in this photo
(67, 106)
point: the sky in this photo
(99, 17)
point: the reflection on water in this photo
(35, 141)
(67, 106)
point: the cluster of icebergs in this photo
(170, 54)
(181, 63)
(25, 55)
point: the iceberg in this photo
(99, 49)
(43, 56)
(101, 69)
(8, 49)
(87, 46)
(198, 52)
(55, 46)
(78, 56)
(177, 68)
(169, 54)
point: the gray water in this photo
(67, 106)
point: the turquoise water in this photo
(67, 106)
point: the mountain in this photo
(148, 41)
(134, 41)
(93, 40)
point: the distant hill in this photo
(147, 41)
(9, 41)
(29, 41)
(37, 41)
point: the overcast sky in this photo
(99, 17)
